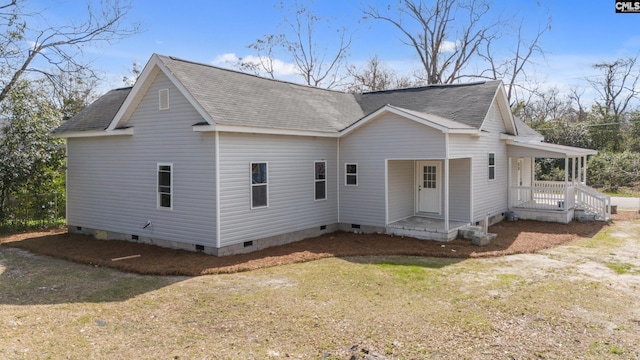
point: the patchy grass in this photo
(560, 303)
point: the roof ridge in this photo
(250, 75)
(481, 82)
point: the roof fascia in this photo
(261, 130)
(94, 133)
(142, 84)
(500, 97)
(567, 151)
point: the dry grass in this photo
(513, 238)
(561, 303)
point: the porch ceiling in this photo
(545, 150)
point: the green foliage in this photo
(611, 170)
(31, 161)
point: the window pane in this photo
(321, 191)
(164, 178)
(259, 173)
(259, 195)
(492, 159)
(352, 168)
(164, 168)
(165, 200)
(352, 180)
(492, 173)
(320, 170)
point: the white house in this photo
(203, 158)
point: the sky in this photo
(582, 33)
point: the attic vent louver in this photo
(163, 95)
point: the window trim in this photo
(252, 185)
(347, 174)
(491, 166)
(158, 193)
(316, 180)
(160, 94)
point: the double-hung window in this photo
(165, 185)
(492, 166)
(351, 174)
(320, 180)
(259, 185)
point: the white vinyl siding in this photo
(489, 197)
(401, 189)
(388, 137)
(291, 188)
(112, 181)
(459, 189)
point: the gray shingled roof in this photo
(234, 98)
(464, 103)
(522, 129)
(98, 115)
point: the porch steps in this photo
(477, 235)
(583, 215)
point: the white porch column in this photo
(510, 181)
(574, 173)
(579, 169)
(584, 169)
(446, 194)
(566, 182)
(446, 182)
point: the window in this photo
(351, 174)
(320, 180)
(163, 99)
(429, 174)
(259, 185)
(492, 166)
(165, 186)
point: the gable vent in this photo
(163, 95)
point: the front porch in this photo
(556, 201)
(426, 228)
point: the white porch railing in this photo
(543, 196)
(551, 195)
(591, 200)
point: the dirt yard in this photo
(578, 300)
(513, 238)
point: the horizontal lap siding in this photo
(290, 173)
(459, 194)
(112, 181)
(401, 189)
(489, 196)
(388, 137)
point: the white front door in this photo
(428, 180)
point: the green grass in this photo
(623, 192)
(622, 268)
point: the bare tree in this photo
(510, 68)
(59, 47)
(319, 65)
(617, 86)
(375, 77)
(446, 35)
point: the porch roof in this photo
(545, 150)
